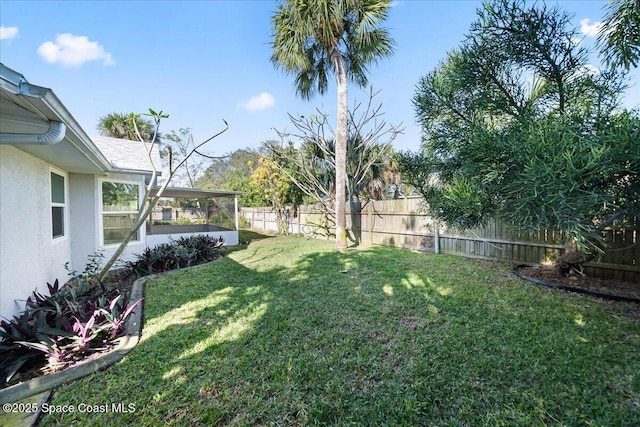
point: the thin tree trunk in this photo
(355, 206)
(142, 217)
(341, 151)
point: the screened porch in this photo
(182, 212)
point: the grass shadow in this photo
(253, 235)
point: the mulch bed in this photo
(606, 286)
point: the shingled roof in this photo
(128, 156)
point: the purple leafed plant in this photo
(62, 328)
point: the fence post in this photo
(436, 238)
(371, 222)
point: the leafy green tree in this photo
(619, 36)
(233, 172)
(121, 125)
(516, 127)
(219, 173)
(333, 36)
(237, 180)
(275, 187)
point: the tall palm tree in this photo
(120, 125)
(343, 37)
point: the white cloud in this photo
(73, 51)
(591, 69)
(588, 29)
(260, 102)
(8, 33)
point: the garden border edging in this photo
(573, 289)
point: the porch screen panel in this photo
(119, 211)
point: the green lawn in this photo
(288, 332)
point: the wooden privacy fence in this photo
(400, 223)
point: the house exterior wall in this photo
(84, 217)
(29, 256)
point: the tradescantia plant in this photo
(184, 252)
(60, 329)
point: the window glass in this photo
(116, 227)
(119, 211)
(57, 221)
(119, 197)
(57, 205)
(57, 188)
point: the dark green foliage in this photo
(518, 127)
(620, 35)
(308, 40)
(60, 329)
(120, 125)
(185, 252)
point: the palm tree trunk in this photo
(341, 150)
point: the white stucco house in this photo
(65, 195)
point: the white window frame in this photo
(101, 212)
(64, 206)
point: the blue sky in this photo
(204, 61)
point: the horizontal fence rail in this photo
(401, 223)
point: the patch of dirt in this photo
(606, 286)
(411, 323)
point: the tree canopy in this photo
(233, 172)
(619, 36)
(121, 125)
(516, 126)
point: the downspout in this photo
(55, 134)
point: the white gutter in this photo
(55, 134)
(16, 83)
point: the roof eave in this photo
(15, 83)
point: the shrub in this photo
(60, 329)
(185, 252)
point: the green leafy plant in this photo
(185, 252)
(91, 269)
